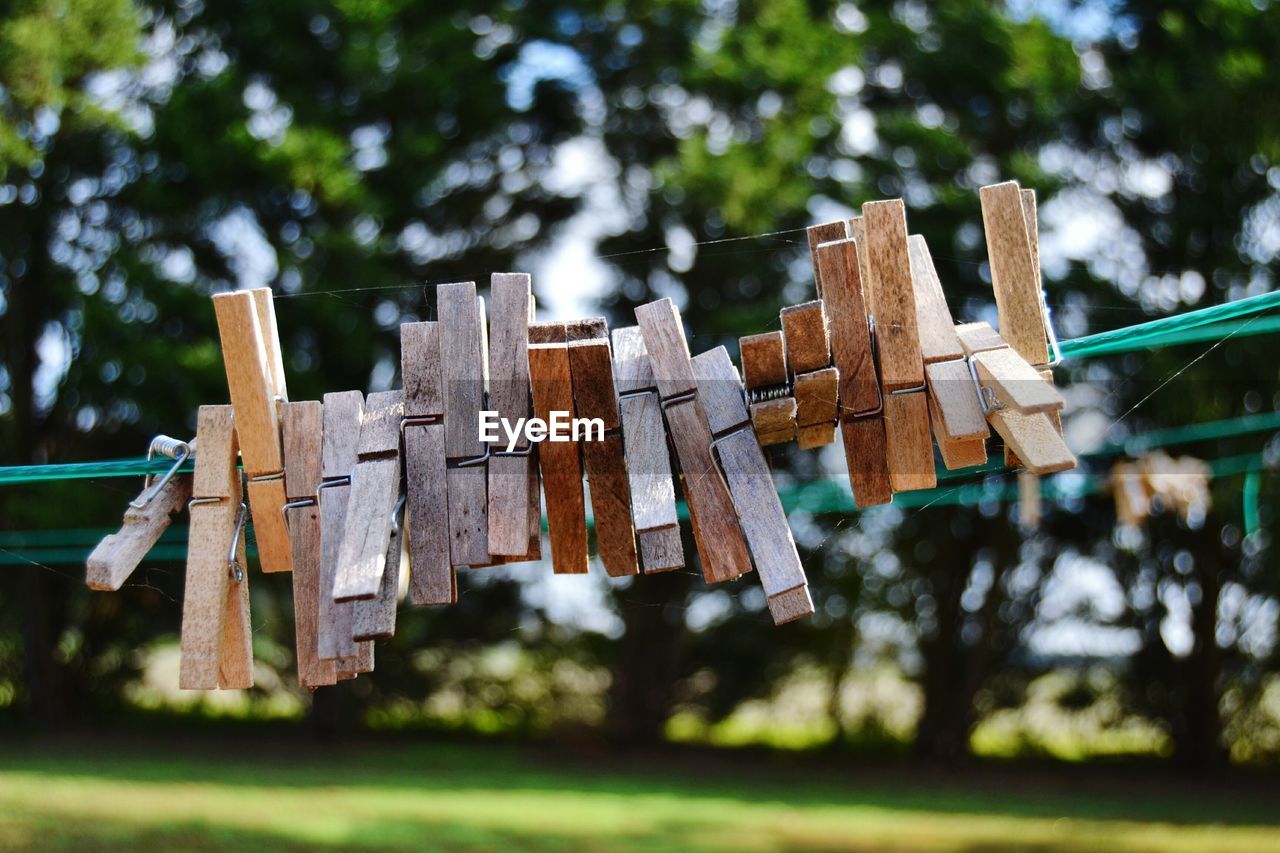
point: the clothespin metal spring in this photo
(177, 450)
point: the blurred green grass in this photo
(252, 793)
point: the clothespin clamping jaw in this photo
(814, 381)
(1012, 232)
(114, 559)
(648, 459)
(217, 648)
(744, 469)
(595, 398)
(770, 395)
(255, 378)
(551, 378)
(711, 511)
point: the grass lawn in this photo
(278, 794)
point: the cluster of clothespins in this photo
(1157, 482)
(335, 486)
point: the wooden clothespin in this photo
(958, 422)
(375, 618)
(464, 371)
(375, 488)
(1015, 399)
(515, 519)
(711, 512)
(648, 459)
(1180, 484)
(302, 426)
(1132, 494)
(743, 466)
(1012, 232)
(343, 412)
(814, 382)
(217, 642)
(594, 396)
(861, 409)
(892, 301)
(432, 579)
(149, 514)
(551, 378)
(764, 370)
(255, 378)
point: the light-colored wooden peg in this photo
(1132, 494)
(255, 378)
(1035, 431)
(860, 408)
(1014, 272)
(648, 459)
(825, 232)
(906, 412)
(463, 371)
(814, 382)
(375, 488)
(375, 618)
(511, 301)
(743, 465)
(958, 422)
(216, 643)
(432, 579)
(343, 411)
(116, 556)
(551, 379)
(594, 396)
(302, 426)
(764, 369)
(716, 532)
(1006, 378)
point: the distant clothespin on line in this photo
(1159, 482)
(114, 558)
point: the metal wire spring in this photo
(164, 445)
(772, 392)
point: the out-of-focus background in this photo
(963, 684)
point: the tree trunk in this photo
(642, 693)
(1198, 741)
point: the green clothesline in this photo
(1243, 317)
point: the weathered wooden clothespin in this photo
(343, 412)
(958, 422)
(149, 514)
(302, 426)
(892, 304)
(515, 517)
(375, 618)
(594, 397)
(464, 371)
(375, 488)
(743, 465)
(861, 408)
(217, 641)
(432, 579)
(255, 378)
(1015, 399)
(551, 378)
(769, 393)
(711, 512)
(814, 382)
(1012, 232)
(648, 459)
